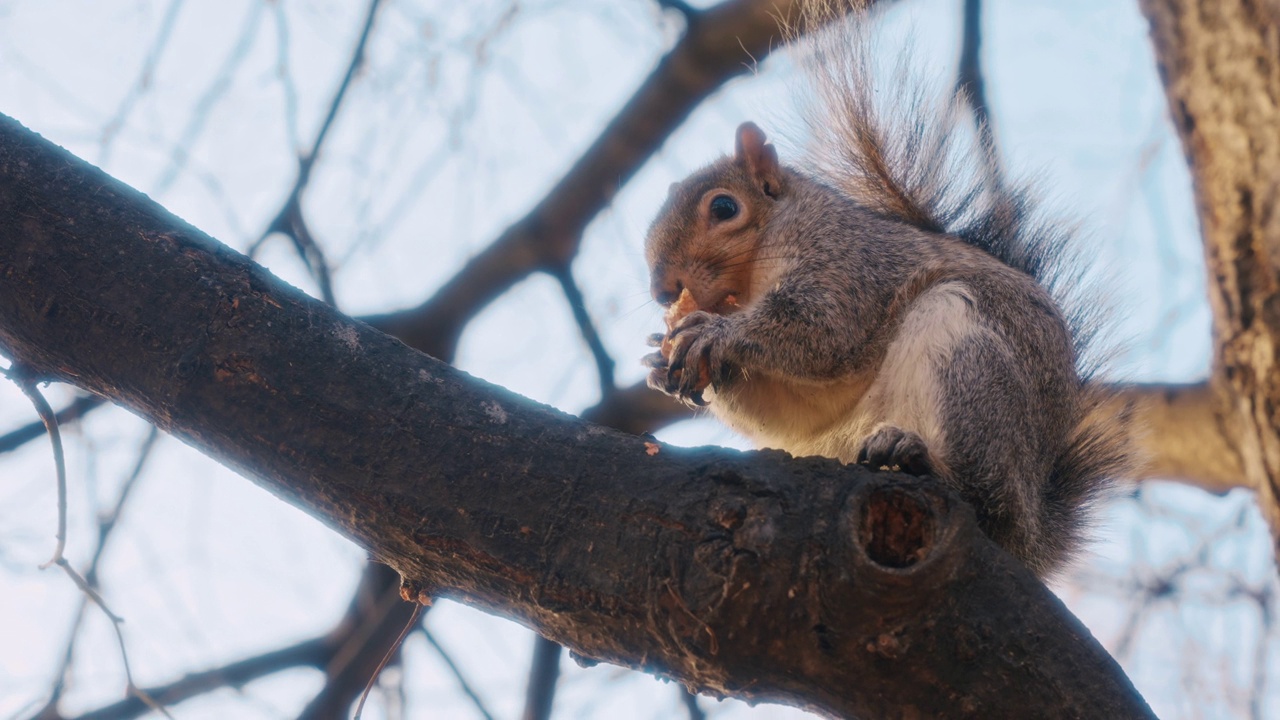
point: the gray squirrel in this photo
(891, 304)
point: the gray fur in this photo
(887, 306)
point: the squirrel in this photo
(890, 304)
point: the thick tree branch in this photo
(1183, 435)
(721, 43)
(1221, 69)
(800, 581)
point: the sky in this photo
(464, 116)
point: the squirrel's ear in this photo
(759, 158)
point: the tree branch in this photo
(309, 653)
(72, 412)
(1218, 61)
(291, 221)
(544, 671)
(1181, 432)
(726, 41)
(368, 631)
(749, 574)
(971, 84)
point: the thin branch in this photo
(391, 651)
(290, 221)
(724, 44)
(145, 77)
(77, 409)
(972, 87)
(341, 652)
(458, 675)
(357, 60)
(288, 88)
(691, 704)
(604, 363)
(373, 621)
(28, 385)
(309, 653)
(544, 671)
(204, 106)
(106, 524)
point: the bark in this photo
(1182, 434)
(846, 592)
(1220, 63)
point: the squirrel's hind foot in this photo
(896, 449)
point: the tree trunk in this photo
(832, 588)
(1220, 62)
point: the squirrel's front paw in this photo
(696, 360)
(897, 449)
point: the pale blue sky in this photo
(460, 123)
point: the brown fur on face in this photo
(690, 248)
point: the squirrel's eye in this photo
(723, 207)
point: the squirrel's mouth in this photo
(729, 302)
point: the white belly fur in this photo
(833, 419)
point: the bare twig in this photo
(30, 389)
(604, 363)
(457, 674)
(309, 653)
(140, 86)
(290, 221)
(77, 409)
(290, 90)
(28, 385)
(204, 106)
(391, 651)
(106, 524)
(728, 38)
(373, 621)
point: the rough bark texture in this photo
(1220, 62)
(1182, 434)
(799, 581)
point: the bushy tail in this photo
(901, 149)
(910, 151)
(1099, 450)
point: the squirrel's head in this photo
(708, 233)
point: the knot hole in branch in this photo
(897, 528)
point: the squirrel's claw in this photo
(897, 449)
(694, 359)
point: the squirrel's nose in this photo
(666, 289)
